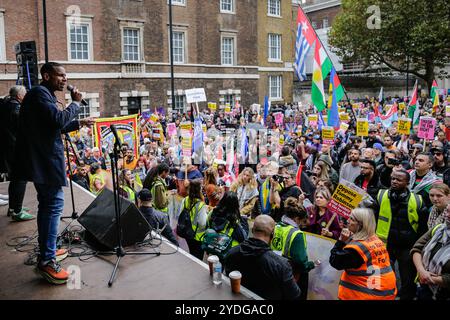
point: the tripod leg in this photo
(113, 275)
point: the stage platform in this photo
(173, 275)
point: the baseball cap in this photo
(145, 195)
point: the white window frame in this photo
(234, 55)
(2, 36)
(325, 25)
(82, 115)
(279, 95)
(227, 11)
(133, 25)
(185, 40)
(232, 102)
(279, 8)
(183, 97)
(279, 50)
(80, 21)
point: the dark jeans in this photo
(16, 192)
(195, 248)
(51, 205)
(407, 271)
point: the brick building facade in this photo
(117, 52)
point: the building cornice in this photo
(321, 6)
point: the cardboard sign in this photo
(227, 108)
(186, 145)
(401, 106)
(171, 129)
(328, 135)
(426, 128)
(404, 125)
(344, 116)
(278, 118)
(447, 111)
(212, 106)
(356, 106)
(362, 127)
(195, 95)
(186, 128)
(344, 200)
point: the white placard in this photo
(195, 95)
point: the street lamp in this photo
(172, 80)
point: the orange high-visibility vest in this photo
(375, 279)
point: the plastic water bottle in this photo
(217, 274)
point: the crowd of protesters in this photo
(406, 181)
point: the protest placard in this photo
(362, 127)
(404, 125)
(278, 118)
(312, 120)
(195, 95)
(344, 126)
(401, 106)
(212, 106)
(447, 111)
(426, 128)
(328, 135)
(171, 129)
(227, 108)
(344, 199)
(344, 116)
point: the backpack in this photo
(184, 226)
(216, 243)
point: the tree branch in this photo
(393, 67)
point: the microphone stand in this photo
(67, 140)
(119, 250)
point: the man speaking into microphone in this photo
(40, 158)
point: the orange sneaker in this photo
(53, 273)
(61, 254)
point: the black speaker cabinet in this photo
(99, 220)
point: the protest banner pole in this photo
(331, 221)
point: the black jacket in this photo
(401, 233)
(39, 155)
(263, 271)
(240, 231)
(384, 172)
(9, 121)
(159, 220)
(373, 187)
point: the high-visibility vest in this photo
(92, 178)
(158, 182)
(199, 231)
(130, 192)
(375, 279)
(385, 215)
(435, 229)
(228, 230)
(283, 237)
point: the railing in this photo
(133, 68)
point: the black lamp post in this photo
(172, 79)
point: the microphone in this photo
(70, 88)
(114, 131)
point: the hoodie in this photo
(263, 271)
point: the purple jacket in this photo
(316, 222)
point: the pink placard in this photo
(171, 129)
(426, 128)
(278, 118)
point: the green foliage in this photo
(417, 29)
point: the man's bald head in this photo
(263, 227)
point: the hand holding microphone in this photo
(76, 95)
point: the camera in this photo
(278, 178)
(394, 161)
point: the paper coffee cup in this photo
(211, 261)
(235, 280)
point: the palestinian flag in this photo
(413, 110)
(321, 69)
(435, 96)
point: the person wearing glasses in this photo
(368, 274)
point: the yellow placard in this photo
(328, 133)
(204, 127)
(344, 126)
(362, 127)
(212, 106)
(344, 200)
(404, 126)
(325, 118)
(401, 106)
(356, 105)
(313, 118)
(344, 116)
(186, 126)
(227, 108)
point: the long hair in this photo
(153, 173)
(366, 222)
(240, 180)
(324, 192)
(210, 176)
(195, 190)
(122, 178)
(293, 209)
(228, 208)
(323, 170)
